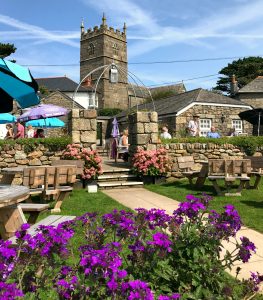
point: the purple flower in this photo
(189, 209)
(136, 290)
(255, 279)
(9, 291)
(153, 217)
(245, 249)
(162, 241)
(225, 224)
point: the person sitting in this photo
(213, 134)
(39, 133)
(9, 133)
(30, 131)
(165, 134)
(232, 132)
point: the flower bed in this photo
(151, 162)
(125, 255)
(92, 161)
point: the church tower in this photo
(102, 46)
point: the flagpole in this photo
(259, 122)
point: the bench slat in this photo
(33, 206)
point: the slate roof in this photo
(63, 84)
(172, 105)
(142, 92)
(254, 86)
(176, 88)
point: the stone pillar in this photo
(143, 131)
(83, 127)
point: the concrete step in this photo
(116, 170)
(119, 184)
(116, 177)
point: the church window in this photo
(115, 48)
(91, 49)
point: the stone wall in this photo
(83, 127)
(253, 99)
(15, 155)
(202, 152)
(143, 131)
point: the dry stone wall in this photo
(143, 131)
(83, 127)
(201, 152)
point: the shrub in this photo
(125, 255)
(92, 161)
(29, 145)
(151, 162)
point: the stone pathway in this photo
(140, 197)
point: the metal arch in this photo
(118, 68)
(133, 75)
(76, 90)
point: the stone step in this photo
(116, 177)
(119, 184)
(116, 170)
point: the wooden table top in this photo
(13, 170)
(12, 194)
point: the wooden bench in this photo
(59, 183)
(52, 220)
(78, 163)
(186, 165)
(34, 209)
(257, 170)
(229, 170)
(50, 181)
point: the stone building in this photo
(99, 47)
(252, 93)
(212, 108)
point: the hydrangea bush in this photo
(151, 162)
(144, 255)
(92, 161)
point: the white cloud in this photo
(229, 23)
(28, 32)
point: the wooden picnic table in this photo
(11, 215)
(9, 174)
(229, 171)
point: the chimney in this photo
(233, 86)
(87, 82)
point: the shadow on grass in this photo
(253, 203)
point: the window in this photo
(204, 125)
(91, 49)
(238, 125)
(115, 48)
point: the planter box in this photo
(147, 179)
(90, 185)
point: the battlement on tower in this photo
(103, 29)
(91, 32)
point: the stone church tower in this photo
(102, 46)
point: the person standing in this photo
(193, 126)
(20, 131)
(165, 134)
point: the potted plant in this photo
(151, 165)
(92, 164)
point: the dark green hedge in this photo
(54, 143)
(248, 144)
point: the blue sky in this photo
(47, 33)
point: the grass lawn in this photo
(249, 205)
(80, 201)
